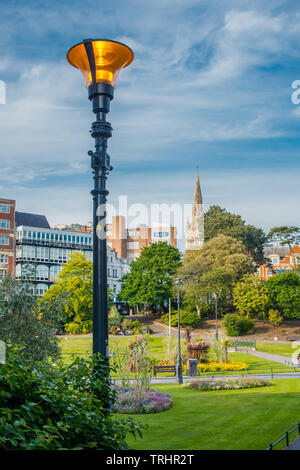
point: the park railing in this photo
(244, 344)
(285, 437)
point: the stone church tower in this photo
(194, 231)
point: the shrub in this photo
(113, 330)
(114, 318)
(82, 328)
(198, 350)
(236, 325)
(20, 322)
(227, 384)
(152, 402)
(187, 318)
(275, 318)
(47, 407)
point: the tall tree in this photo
(284, 294)
(219, 221)
(150, 278)
(214, 268)
(285, 235)
(70, 299)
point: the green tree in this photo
(114, 318)
(71, 296)
(251, 296)
(149, 280)
(219, 221)
(20, 322)
(275, 318)
(214, 268)
(284, 235)
(284, 294)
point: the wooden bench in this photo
(157, 369)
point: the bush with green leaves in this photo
(237, 325)
(82, 328)
(20, 321)
(114, 318)
(187, 318)
(48, 407)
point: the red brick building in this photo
(129, 242)
(7, 236)
(280, 261)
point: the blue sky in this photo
(210, 87)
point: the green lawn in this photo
(81, 345)
(283, 349)
(227, 420)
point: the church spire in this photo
(195, 230)
(197, 195)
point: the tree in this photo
(219, 221)
(72, 295)
(251, 296)
(285, 235)
(114, 318)
(275, 318)
(214, 268)
(149, 280)
(284, 294)
(20, 323)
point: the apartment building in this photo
(7, 239)
(128, 243)
(42, 251)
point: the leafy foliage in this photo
(72, 295)
(251, 296)
(284, 294)
(187, 318)
(285, 235)
(275, 318)
(114, 318)
(198, 350)
(20, 323)
(58, 407)
(214, 269)
(236, 325)
(218, 221)
(150, 278)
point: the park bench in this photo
(157, 369)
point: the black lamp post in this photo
(100, 61)
(178, 283)
(215, 297)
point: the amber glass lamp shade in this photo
(100, 60)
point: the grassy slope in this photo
(239, 419)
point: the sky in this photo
(210, 88)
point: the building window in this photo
(2, 274)
(132, 245)
(4, 224)
(42, 272)
(4, 208)
(3, 259)
(4, 240)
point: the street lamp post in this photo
(100, 61)
(178, 283)
(216, 311)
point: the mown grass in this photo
(229, 420)
(158, 346)
(283, 349)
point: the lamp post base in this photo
(179, 373)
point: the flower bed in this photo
(151, 402)
(217, 366)
(227, 384)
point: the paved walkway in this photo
(294, 445)
(270, 357)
